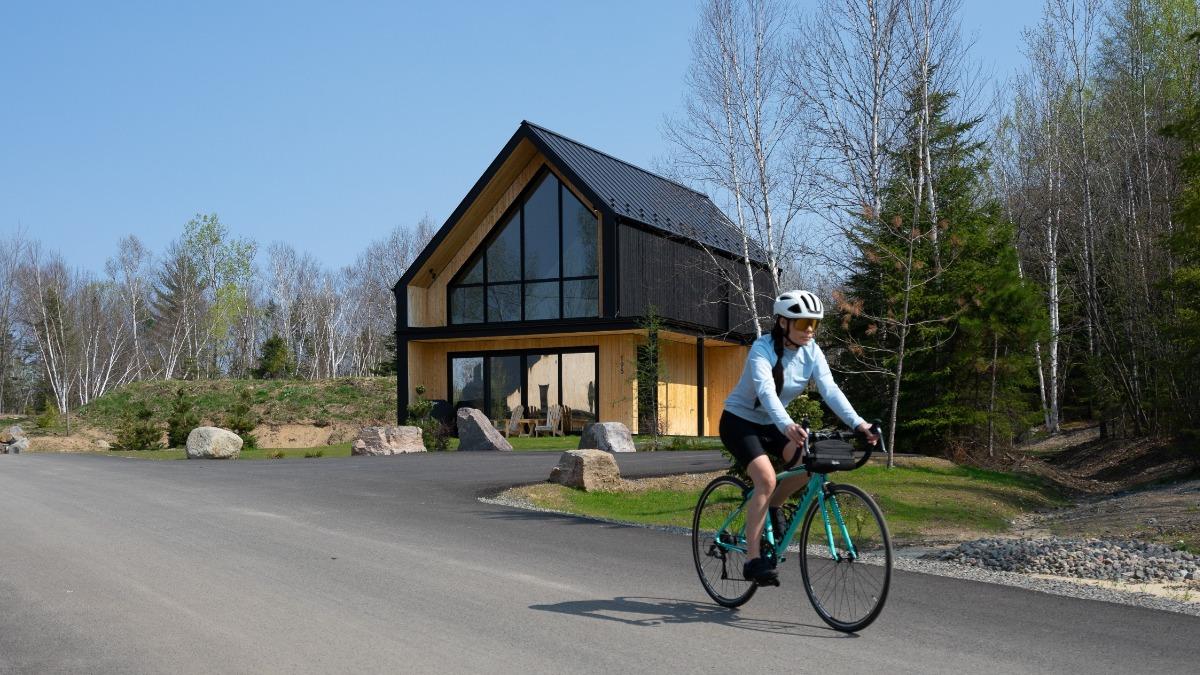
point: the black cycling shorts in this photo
(746, 440)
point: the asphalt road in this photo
(390, 564)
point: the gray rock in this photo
(213, 443)
(476, 432)
(587, 470)
(12, 433)
(103, 444)
(607, 436)
(388, 440)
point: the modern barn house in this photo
(536, 290)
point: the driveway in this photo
(391, 564)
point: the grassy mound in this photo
(362, 401)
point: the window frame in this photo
(523, 353)
(515, 215)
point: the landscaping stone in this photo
(103, 444)
(587, 469)
(18, 446)
(1087, 558)
(11, 434)
(388, 440)
(213, 443)
(476, 432)
(607, 436)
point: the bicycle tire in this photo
(719, 568)
(847, 593)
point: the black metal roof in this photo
(639, 195)
(617, 187)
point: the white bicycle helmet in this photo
(799, 305)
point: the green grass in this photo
(920, 503)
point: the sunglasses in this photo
(806, 324)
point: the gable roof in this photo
(616, 187)
(634, 193)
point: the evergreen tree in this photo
(275, 362)
(1183, 325)
(946, 296)
(242, 419)
(139, 432)
(182, 420)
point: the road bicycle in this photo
(844, 547)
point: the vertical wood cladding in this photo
(683, 282)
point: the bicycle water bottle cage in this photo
(829, 456)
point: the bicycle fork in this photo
(841, 523)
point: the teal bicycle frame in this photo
(814, 490)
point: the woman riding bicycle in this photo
(755, 422)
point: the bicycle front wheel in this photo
(846, 558)
(718, 541)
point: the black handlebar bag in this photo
(829, 456)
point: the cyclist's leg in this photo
(763, 475)
(788, 486)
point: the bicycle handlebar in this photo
(818, 436)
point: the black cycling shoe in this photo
(761, 571)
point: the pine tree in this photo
(275, 362)
(1183, 325)
(182, 420)
(945, 295)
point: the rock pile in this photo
(1087, 559)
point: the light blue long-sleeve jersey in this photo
(799, 366)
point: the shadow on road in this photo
(659, 611)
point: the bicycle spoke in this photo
(845, 556)
(718, 546)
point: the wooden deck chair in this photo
(512, 425)
(553, 423)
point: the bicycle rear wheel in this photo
(847, 566)
(719, 551)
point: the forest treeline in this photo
(1000, 253)
(211, 305)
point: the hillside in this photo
(291, 413)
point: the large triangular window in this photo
(540, 263)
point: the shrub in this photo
(313, 453)
(49, 415)
(241, 419)
(434, 433)
(276, 454)
(138, 431)
(182, 420)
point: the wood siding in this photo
(723, 366)
(427, 294)
(684, 283)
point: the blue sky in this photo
(325, 124)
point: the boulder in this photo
(12, 433)
(103, 444)
(18, 446)
(607, 436)
(476, 432)
(213, 443)
(587, 470)
(388, 440)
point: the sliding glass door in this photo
(497, 382)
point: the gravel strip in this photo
(1011, 562)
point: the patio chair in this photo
(553, 423)
(512, 425)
